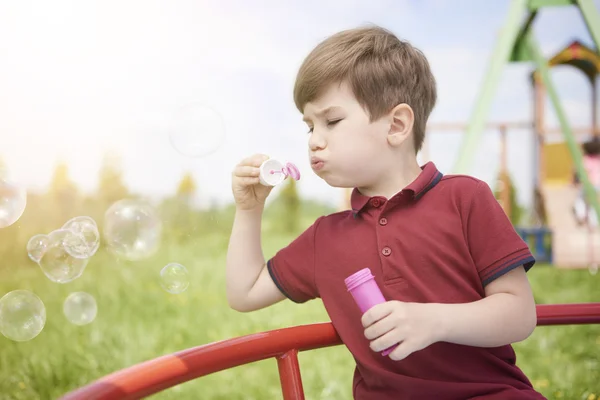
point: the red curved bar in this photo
(152, 376)
(568, 314)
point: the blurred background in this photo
(156, 101)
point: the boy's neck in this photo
(397, 179)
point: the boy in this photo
(441, 248)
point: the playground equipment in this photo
(161, 373)
(572, 246)
(153, 376)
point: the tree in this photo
(291, 206)
(110, 184)
(186, 189)
(64, 198)
(181, 220)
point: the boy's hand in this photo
(248, 192)
(412, 325)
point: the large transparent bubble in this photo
(58, 265)
(196, 130)
(80, 308)
(85, 227)
(36, 247)
(132, 229)
(13, 199)
(22, 315)
(174, 278)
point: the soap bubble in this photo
(174, 278)
(22, 315)
(85, 227)
(132, 229)
(80, 308)
(58, 265)
(196, 130)
(36, 247)
(13, 200)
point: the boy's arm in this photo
(506, 315)
(249, 286)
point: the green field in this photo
(138, 321)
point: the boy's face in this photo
(345, 148)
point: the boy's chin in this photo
(338, 183)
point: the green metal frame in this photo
(516, 43)
(500, 56)
(591, 18)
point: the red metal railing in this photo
(164, 372)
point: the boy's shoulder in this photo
(464, 190)
(334, 216)
(460, 186)
(463, 183)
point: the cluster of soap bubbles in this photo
(64, 253)
(132, 231)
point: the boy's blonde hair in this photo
(382, 70)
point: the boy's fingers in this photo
(249, 180)
(246, 171)
(376, 313)
(255, 160)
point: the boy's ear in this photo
(402, 119)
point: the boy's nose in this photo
(316, 142)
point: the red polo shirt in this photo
(440, 240)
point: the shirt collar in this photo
(427, 179)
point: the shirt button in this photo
(383, 221)
(386, 251)
(375, 203)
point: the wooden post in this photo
(539, 127)
(539, 132)
(505, 194)
(595, 131)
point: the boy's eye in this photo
(329, 123)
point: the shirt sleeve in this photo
(495, 246)
(293, 267)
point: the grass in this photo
(138, 321)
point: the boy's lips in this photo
(316, 163)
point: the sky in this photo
(79, 80)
